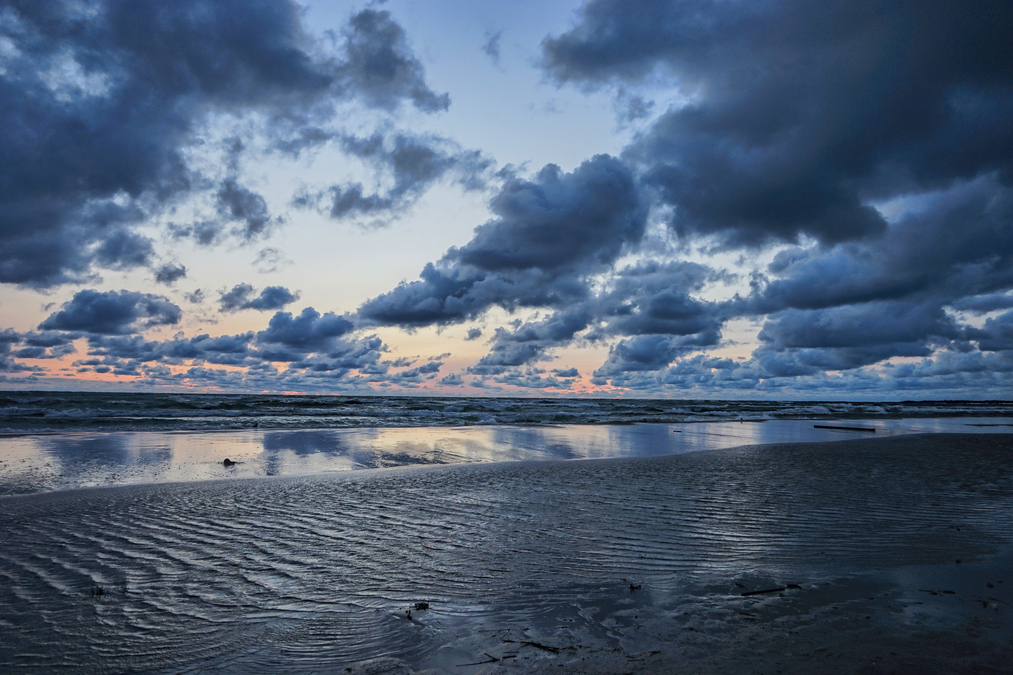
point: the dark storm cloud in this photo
(381, 68)
(452, 380)
(98, 100)
(7, 364)
(73, 149)
(563, 223)
(630, 108)
(828, 308)
(341, 357)
(800, 112)
(169, 274)
(473, 334)
(113, 313)
(549, 233)
(651, 352)
(996, 335)
(952, 244)
(412, 164)
(860, 303)
(958, 374)
(44, 345)
(428, 371)
(302, 138)
(531, 378)
(237, 203)
(203, 233)
(271, 298)
(654, 298)
(649, 298)
(289, 338)
(122, 249)
(529, 341)
(955, 369)
(851, 336)
(130, 355)
(319, 353)
(982, 304)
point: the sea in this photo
(61, 412)
(52, 441)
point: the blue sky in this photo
(688, 199)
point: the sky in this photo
(733, 199)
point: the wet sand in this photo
(613, 565)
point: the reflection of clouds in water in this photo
(521, 443)
(560, 451)
(349, 448)
(42, 463)
(278, 445)
(303, 442)
(641, 440)
(106, 449)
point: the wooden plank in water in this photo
(766, 590)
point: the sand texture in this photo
(614, 565)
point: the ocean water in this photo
(60, 441)
(48, 412)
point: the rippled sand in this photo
(613, 565)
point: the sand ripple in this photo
(317, 572)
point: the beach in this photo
(888, 555)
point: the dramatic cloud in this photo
(169, 274)
(413, 163)
(799, 113)
(132, 350)
(529, 341)
(950, 244)
(113, 313)
(99, 100)
(813, 199)
(996, 335)
(851, 336)
(382, 69)
(649, 299)
(238, 203)
(548, 235)
(316, 350)
(290, 338)
(982, 304)
(271, 298)
(452, 380)
(46, 345)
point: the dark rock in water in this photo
(228, 462)
(421, 605)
